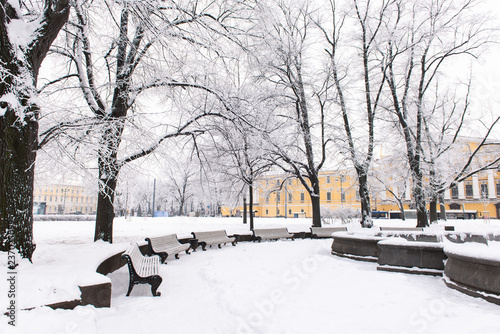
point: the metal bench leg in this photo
(130, 287)
(155, 282)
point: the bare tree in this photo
(21, 55)
(299, 127)
(368, 19)
(425, 36)
(140, 58)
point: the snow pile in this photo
(489, 252)
(269, 287)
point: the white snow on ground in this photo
(269, 287)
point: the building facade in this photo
(279, 196)
(65, 199)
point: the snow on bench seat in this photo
(213, 238)
(166, 245)
(272, 233)
(142, 269)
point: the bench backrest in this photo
(210, 234)
(134, 254)
(270, 231)
(164, 242)
(327, 231)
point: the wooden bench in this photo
(213, 238)
(271, 234)
(167, 245)
(325, 232)
(142, 269)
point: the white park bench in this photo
(142, 269)
(325, 232)
(209, 238)
(271, 234)
(166, 245)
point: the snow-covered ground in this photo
(271, 287)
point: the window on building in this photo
(267, 199)
(290, 197)
(328, 179)
(342, 196)
(454, 192)
(484, 190)
(278, 197)
(328, 196)
(289, 211)
(302, 197)
(267, 211)
(498, 188)
(468, 190)
(277, 212)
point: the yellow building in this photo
(66, 199)
(281, 196)
(278, 196)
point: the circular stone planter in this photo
(357, 246)
(401, 255)
(474, 269)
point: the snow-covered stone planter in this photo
(474, 268)
(415, 257)
(461, 237)
(359, 246)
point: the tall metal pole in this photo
(154, 192)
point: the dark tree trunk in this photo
(420, 204)
(108, 176)
(315, 202)
(18, 146)
(402, 209)
(105, 210)
(433, 216)
(250, 190)
(364, 195)
(244, 210)
(19, 124)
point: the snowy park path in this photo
(271, 287)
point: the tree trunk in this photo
(105, 210)
(364, 195)
(108, 177)
(402, 209)
(433, 209)
(442, 208)
(18, 145)
(420, 205)
(315, 201)
(250, 190)
(244, 210)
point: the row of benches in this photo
(144, 269)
